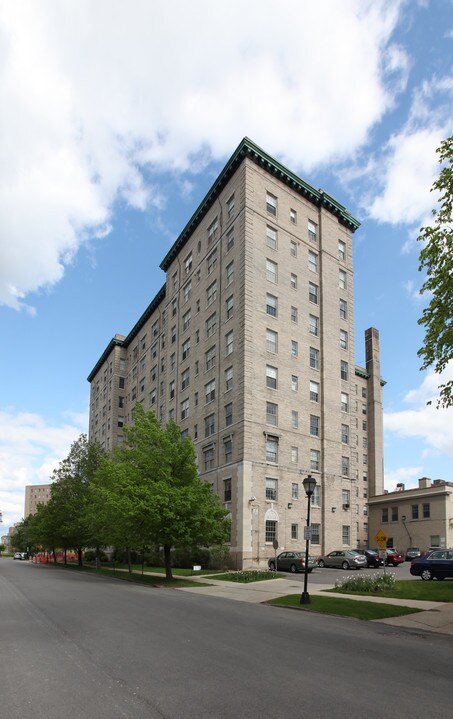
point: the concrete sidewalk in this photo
(435, 617)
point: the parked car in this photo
(20, 555)
(437, 564)
(412, 553)
(372, 558)
(292, 562)
(394, 557)
(343, 559)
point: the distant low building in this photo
(420, 517)
(35, 494)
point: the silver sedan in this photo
(343, 559)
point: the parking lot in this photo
(329, 576)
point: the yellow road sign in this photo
(381, 539)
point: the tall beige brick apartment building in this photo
(249, 346)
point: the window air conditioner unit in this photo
(345, 506)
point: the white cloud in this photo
(30, 449)
(408, 476)
(96, 94)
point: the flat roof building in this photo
(250, 347)
(35, 494)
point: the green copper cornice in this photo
(247, 148)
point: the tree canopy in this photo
(436, 258)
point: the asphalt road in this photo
(74, 646)
(327, 575)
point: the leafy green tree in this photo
(149, 491)
(2, 548)
(70, 495)
(436, 258)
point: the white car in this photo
(20, 555)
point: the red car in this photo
(394, 557)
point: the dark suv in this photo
(372, 558)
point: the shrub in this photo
(367, 584)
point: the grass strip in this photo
(345, 607)
(410, 589)
(135, 577)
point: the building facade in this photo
(421, 517)
(250, 347)
(35, 494)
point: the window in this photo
(184, 409)
(208, 458)
(187, 291)
(230, 207)
(173, 334)
(271, 237)
(344, 402)
(314, 425)
(271, 489)
(228, 414)
(345, 534)
(313, 293)
(414, 511)
(174, 307)
(294, 419)
(385, 514)
(120, 421)
(313, 325)
(314, 358)
(227, 490)
(188, 264)
(228, 449)
(209, 425)
(343, 309)
(172, 361)
(185, 378)
(209, 391)
(152, 397)
(229, 307)
(271, 341)
(312, 231)
(314, 391)
(211, 325)
(294, 314)
(315, 499)
(172, 389)
(120, 401)
(312, 261)
(154, 350)
(121, 382)
(345, 498)
(271, 204)
(211, 294)
(186, 319)
(230, 274)
(212, 230)
(271, 377)
(210, 357)
(294, 490)
(271, 305)
(344, 370)
(228, 379)
(343, 340)
(345, 434)
(270, 530)
(394, 514)
(294, 455)
(341, 250)
(315, 533)
(426, 511)
(314, 459)
(293, 248)
(294, 383)
(272, 271)
(229, 341)
(294, 531)
(294, 348)
(345, 466)
(122, 365)
(230, 240)
(342, 279)
(186, 349)
(293, 281)
(293, 216)
(272, 413)
(211, 262)
(271, 448)
(174, 281)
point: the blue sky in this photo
(116, 119)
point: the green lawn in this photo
(434, 591)
(136, 577)
(157, 570)
(344, 607)
(247, 576)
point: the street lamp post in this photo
(309, 486)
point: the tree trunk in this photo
(79, 556)
(167, 561)
(54, 556)
(98, 559)
(65, 552)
